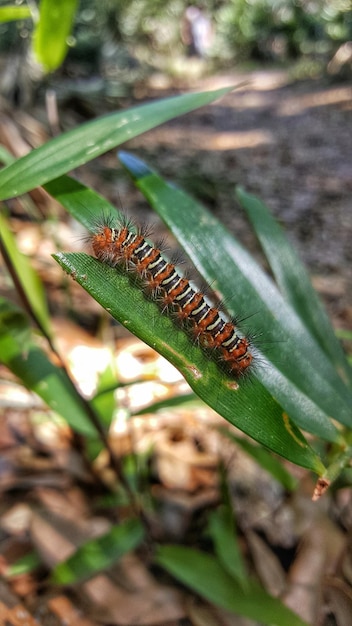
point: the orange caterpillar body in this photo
(113, 245)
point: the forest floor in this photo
(289, 143)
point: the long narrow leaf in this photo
(80, 145)
(31, 365)
(222, 531)
(204, 575)
(5, 156)
(99, 554)
(12, 13)
(84, 204)
(26, 278)
(52, 31)
(293, 279)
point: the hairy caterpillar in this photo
(113, 244)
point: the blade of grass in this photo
(5, 156)
(26, 279)
(12, 13)
(84, 204)
(222, 530)
(104, 402)
(99, 554)
(24, 565)
(293, 279)
(33, 368)
(204, 575)
(80, 145)
(52, 31)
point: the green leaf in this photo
(13, 13)
(51, 34)
(14, 327)
(222, 530)
(33, 368)
(99, 554)
(6, 156)
(293, 279)
(291, 364)
(25, 565)
(238, 402)
(88, 141)
(84, 204)
(204, 575)
(104, 401)
(26, 278)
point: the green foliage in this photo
(12, 13)
(50, 37)
(25, 565)
(239, 406)
(52, 26)
(283, 28)
(205, 575)
(260, 29)
(293, 280)
(88, 141)
(245, 287)
(28, 281)
(223, 533)
(21, 354)
(14, 22)
(99, 554)
(244, 30)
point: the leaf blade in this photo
(53, 28)
(292, 278)
(31, 365)
(203, 574)
(80, 145)
(13, 13)
(100, 553)
(25, 276)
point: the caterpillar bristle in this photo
(120, 242)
